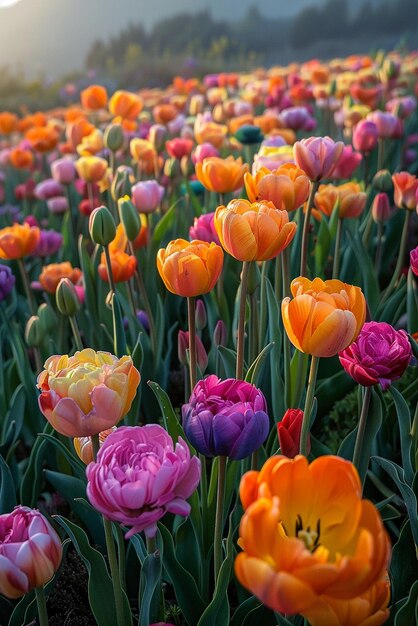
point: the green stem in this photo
(263, 303)
(26, 286)
(109, 269)
(414, 432)
(254, 338)
(286, 343)
(306, 423)
(241, 320)
(277, 277)
(121, 556)
(378, 257)
(305, 233)
(114, 571)
(76, 332)
(380, 153)
(217, 547)
(362, 427)
(191, 313)
(401, 255)
(338, 238)
(41, 604)
(95, 444)
(143, 294)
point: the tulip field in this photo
(208, 340)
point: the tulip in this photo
(42, 139)
(48, 188)
(84, 447)
(91, 144)
(382, 181)
(68, 302)
(225, 418)
(126, 105)
(385, 123)
(381, 209)
(204, 228)
(289, 432)
(88, 392)
(8, 123)
(204, 151)
(113, 137)
(365, 136)
(220, 334)
(94, 97)
(253, 232)
(286, 187)
(58, 205)
(221, 175)
(123, 266)
(147, 195)
(7, 281)
(351, 200)
(379, 355)
(183, 345)
(190, 269)
(295, 118)
(52, 274)
(21, 159)
(406, 188)
(323, 317)
(139, 476)
(179, 147)
(303, 534)
(317, 156)
(18, 241)
(102, 226)
(414, 260)
(348, 162)
(63, 171)
(208, 131)
(91, 169)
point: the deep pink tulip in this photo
(365, 136)
(140, 475)
(348, 162)
(147, 195)
(379, 355)
(179, 147)
(381, 209)
(30, 551)
(414, 260)
(203, 229)
(386, 123)
(317, 156)
(203, 151)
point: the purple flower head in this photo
(7, 281)
(49, 243)
(225, 417)
(380, 354)
(48, 188)
(140, 475)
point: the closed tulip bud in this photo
(365, 136)
(381, 208)
(201, 317)
(33, 332)
(102, 226)
(7, 281)
(197, 102)
(47, 318)
(121, 184)
(289, 430)
(66, 297)
(129, 218)
(63, 171)
(249, 134)
(113, 137)
(172, 168)
(186, 166)
(157, 136)
(183, 346)
(220, 334)
(382, 181)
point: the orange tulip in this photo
(8, 123)
(242, 120)
(18, 241)
(349, 196)
(164, 113)
(123, 266)
(94, 97)
(92, 169)
(78, 129)
(72, 113)
(209, 132)
(221, 175)
(253, 232)
(142, 150)
(42, 138)
(307, 535)
(21, 159)
(126, 105)
(190, 268)
(406, 187)
(91, 144)
(323, 317)
(287, 187)
(53, 273)
(37, 120)
(267, 123)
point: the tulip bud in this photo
(129, 218)
(113, 137)
(220, 334)
(201, 317)
(47, 318)
(381, 208)
(289, 431)
(66, 297)
(102, 226)
(157, 135)
(186, 166)
(183, 346)
(33, 332)
(382, 181)
(121, 184)
(7, 281)
(197, 102)
(249, 134)
(172, 168)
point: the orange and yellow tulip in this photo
(126, 105)
(18, 241)
(92, 169)
(94, 97)
(350, 197)
(221, 175)
(91, 144)
(323, 317)
(42, 138)
(286, 187)
(406, 187)
(253, 232)
(53, 273)
(8, 123)
(84, 447)
(123, 266)
(209, 132)
(190, 268)
(21, 159)
(307, 535)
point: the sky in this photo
(53, 36)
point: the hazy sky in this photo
(54, 35)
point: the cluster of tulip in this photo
(286, 263)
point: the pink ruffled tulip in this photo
(365, 136)
(30, 551)
(414, 260)
(140, 475)
(147, 195)
(317, 156)
(380, 354)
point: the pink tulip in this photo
(414, 260)
(203, 151)
(30, 551)
(147, 195)
(317, 156)
(348, 162)
(365, 136)
(203, 229)
(179, 147)
(58, 205)
(140, 475)
(48, 188)
(386, 123)
(63, 171)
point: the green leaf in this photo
(404, 420)
(365, 264)
(13, 421)
(30, 485)
(150, 578)
(100, 588)
(229, 360)
(255, 369)
(78, 467)
(89, 287)
(412, 304)
(322, 247)
(119, 337)
(163, 225)
(170, 420)
(7, 488)
(244, 609)
(403, 565)
(275, 336)
(408, 614)
(389, 310)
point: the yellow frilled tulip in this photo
(92, 169)
(287, 187)
(190, 268)
(253, 232)
(323, 317)
(350, 196)
(221, 175)
(307, 535)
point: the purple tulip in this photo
(57, 205)
(30, 551)
(48, 188)
(7, 281)
(225, 417)
(49, 243)
(380, 354)
(139, 476)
